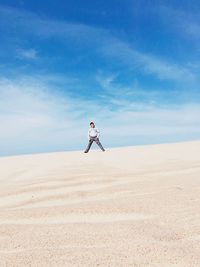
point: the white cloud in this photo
(146, 63)
(105, 43)
(32, 112)
(134, 95)
(27, 54)
(183, 21)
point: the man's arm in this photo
(98, 133)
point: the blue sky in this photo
(131, 66)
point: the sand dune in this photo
(132, 206)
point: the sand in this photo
(131, 206)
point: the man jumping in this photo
(93, 135)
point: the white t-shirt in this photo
(93, 132)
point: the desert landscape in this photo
(128, 206)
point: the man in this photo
(93, 135)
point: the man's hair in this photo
(91, 123)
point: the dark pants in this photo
(94, 139)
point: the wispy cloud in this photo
(34, 117)
(29, 54)
(185, 22)
(134, 95)
(146, 63)
(106, 44)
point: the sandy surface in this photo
(133, 206)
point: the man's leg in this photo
(89, 145)
(99, 144)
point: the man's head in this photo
(92, 124)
